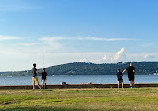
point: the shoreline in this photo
(68, 86)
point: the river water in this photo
(77, 79)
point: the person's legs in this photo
(33, 82)
(122, 84)
(39, 86)
(37, 82)
(42, 83)
(133, 84)
(118, 84)
(34, 87)
(132, 80)
(45, 84)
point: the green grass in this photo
(79, 99)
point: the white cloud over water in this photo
(120, 56)
(115, 57)
(13, 59)
(48, 51)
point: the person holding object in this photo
(34, 76)
(119, 77)
(131, 74)
(43, 78)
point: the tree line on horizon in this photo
(82, 68)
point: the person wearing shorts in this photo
(43, 78)
(119, 77)
(131, 74)
(34, 77)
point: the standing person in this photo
(34, 76)
(43, 78)
(131, 72)
(119, 77)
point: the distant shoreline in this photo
(71, 75)
(82, 68)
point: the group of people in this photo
(131, 72)
(35, 78)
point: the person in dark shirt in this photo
(119, 77)
(44, 78)
(34, 76)
(131, 74)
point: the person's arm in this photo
(37, 71)
(124, 71)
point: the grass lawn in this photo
(79, 99)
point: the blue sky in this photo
(52, 32)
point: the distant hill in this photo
(81, 68)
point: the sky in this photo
(54, 32)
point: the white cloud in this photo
(28, 44)
(15, 59)
(105, 58)
(143, 57)
(106, 39)
(53, 38)
(2, 38)
(148, 45)
(51, 44)
(85, 38)
(119, 56)
(21, 56)
(83, 60)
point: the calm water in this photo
(77, 79)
